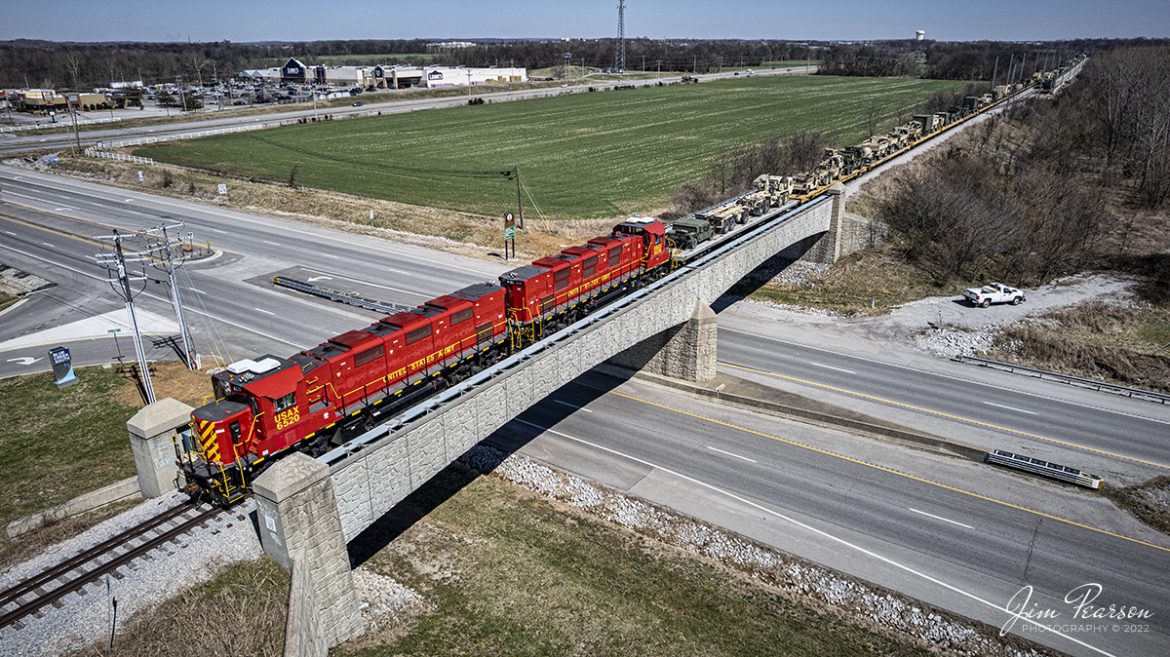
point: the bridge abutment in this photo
(301, 529)
(150, 431)
(686, 351)
(834, 243)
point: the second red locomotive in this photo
(320, 397)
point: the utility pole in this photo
(182, 96)
(695, 65)
(619, 64)
(76, 134)
(116, 264)
(994, 72)
(519, 202)
(163, 251)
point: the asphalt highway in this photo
(1039, 420)
(913, 522)
(10, 144)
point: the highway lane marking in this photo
(271, 242)
(810, 528)
(196, 290)
(716, 449)
(363, 282)
(63, 207)
(949, 376)
(882, 468)
(931, 515)
(1010, 408)
(266, 312)
(950, 416)
(573, 406)
(47, 244)
(10, 233)
(214, 230)
(162, 299)
(830, 367)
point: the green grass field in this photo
(583, 155)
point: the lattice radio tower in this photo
(619, 59)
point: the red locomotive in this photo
(314, 400)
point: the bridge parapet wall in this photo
(371, 482)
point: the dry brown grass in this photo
(447, 230)
(169, 379)
(1149, 502)
(869, 282)
(240, 613)
(1126, 345)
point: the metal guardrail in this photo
(349, 298)
(1080, 382)
(1043, 468)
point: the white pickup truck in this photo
(993, 293)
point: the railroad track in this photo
(73, 574)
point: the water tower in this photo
(919, 35)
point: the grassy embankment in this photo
(58, 444)
(581, 156)
(508, 572)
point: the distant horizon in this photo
(267, 21)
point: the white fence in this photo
(58, 124)
(142, 141)
(121, 157)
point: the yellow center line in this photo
(888, 470)
(949, 416)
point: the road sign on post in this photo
(509, 234)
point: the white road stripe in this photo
(266, 312)
(214, 230)
(10, 233)
(271, 242)
(579, 408)
(47, 244)
(196, 290)
(716, 449)
(63, 207)
(1011, 408)
(830, 367)
(931, 515)
(820, 532)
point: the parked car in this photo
(993, 293)
(358, 104)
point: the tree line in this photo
(28, 63)
(1027, 198)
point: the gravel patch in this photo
(84, 617)
(385, 602)
(883, 609)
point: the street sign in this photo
(141, 177)
(509, 233)
(62, 366)
(222, 189)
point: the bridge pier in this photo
(686, 351)
(833, 243)
(150, 431)
(300, 528)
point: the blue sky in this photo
(256, 20)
